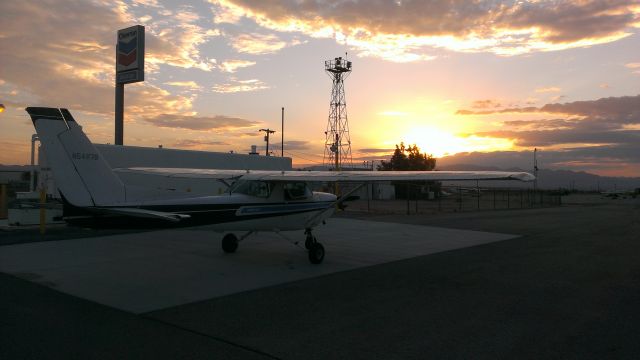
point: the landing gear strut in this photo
(316, 250)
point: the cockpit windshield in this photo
(253, 188)
(297, 191)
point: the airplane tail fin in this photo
(82, 175)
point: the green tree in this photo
(409, 158)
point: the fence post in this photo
(408, 209)
(508, 200)
(494, 199)
(460, 197)
(478, 190)
(521, 199)
(3, 201)
(43, 216)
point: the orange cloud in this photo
(200, 123)
(240, 86)
(69, 60)
(257, 44)
(548, 89)
(410, 30)
(232, 65)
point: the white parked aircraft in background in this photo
(256, 201)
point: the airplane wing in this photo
(330, 176)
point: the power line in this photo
(302, 157)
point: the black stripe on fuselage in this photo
(200, 214)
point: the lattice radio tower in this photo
(337, 144)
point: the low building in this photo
(135, 156)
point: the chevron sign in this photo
(130, 55)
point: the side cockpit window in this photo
(296, 191)
(254, 188)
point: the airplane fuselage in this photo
(227, 212)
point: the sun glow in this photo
(440, 143)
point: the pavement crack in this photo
(209, 336)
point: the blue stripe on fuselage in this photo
(281, 208)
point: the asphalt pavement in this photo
(568, 288)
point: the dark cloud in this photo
(510, 27)
(565, 21)
(575, 135)
(376, 151)
(249, 134)
(601, 121)
(290, 145)
(551, 124)
(485, 104)
(559, 21)
(625, 107)
(595, 134)
(590, 158)
(203, 123)
(528, 109)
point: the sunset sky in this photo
(487, 80)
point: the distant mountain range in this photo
(556, 179)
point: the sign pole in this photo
(129, 69)
(119, 135)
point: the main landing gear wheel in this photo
(230, 243)
(316, 253)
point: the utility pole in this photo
(282, 134)
(266, 138)
(535, 168)
(32, 174)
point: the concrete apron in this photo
(143, 272)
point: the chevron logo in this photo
(127, 47)
(128, 59)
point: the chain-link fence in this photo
(453, 199)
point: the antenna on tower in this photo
(337, 144)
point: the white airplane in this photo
(256, 201)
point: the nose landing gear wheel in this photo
(229, 243)
(316, 253)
